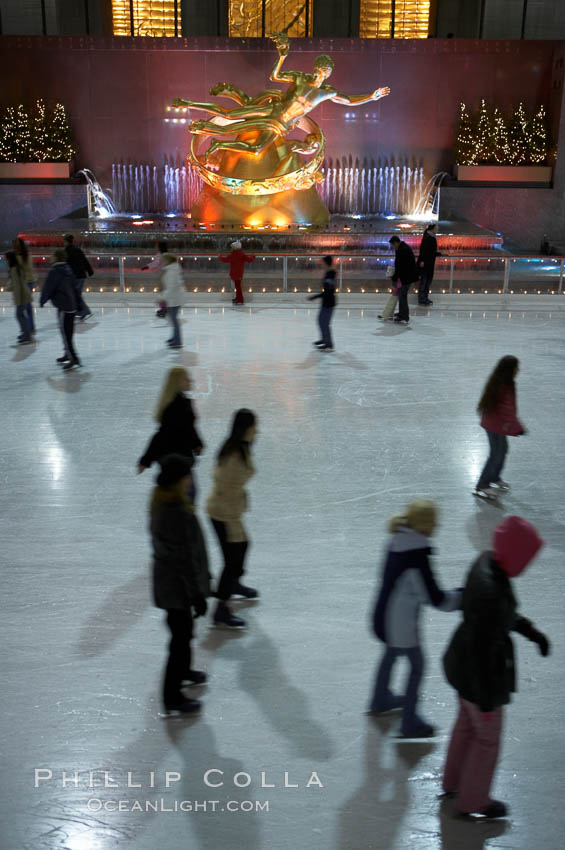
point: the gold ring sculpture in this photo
(261, 174)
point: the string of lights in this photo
(489, 137)
(41, 137)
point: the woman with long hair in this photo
(181, 581)
(21, 295)
(407, 583)
(25, 264)
(175, 415)
(225, 506)
(499, 418)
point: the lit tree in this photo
(484, 136)
(500, 150)
(8, 136)
(465, 139)
(518, 137)
(39, 133)
(61, 148)
(537, 138)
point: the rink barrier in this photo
(288, 273)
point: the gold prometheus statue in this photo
(264, 121)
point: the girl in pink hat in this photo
(479, 664)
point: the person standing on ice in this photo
(181, 580)
(479, 664)
(407, 583)
(499, 418)
(406, 273)
(237, 260)
(174, 292)
(327, 307)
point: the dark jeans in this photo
(179, 661)
(403, 312)
(67, 325)
(22, 319)
(82, 308)
(426, 277)
(498, 444)
(173, 313)
(234, 556)
(383, 699)
(324, 319)
(29, 312)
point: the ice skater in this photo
(177, 432)
(499, 418)
(327, 294)
(427, 262)
(237, 260)
(181, 581)
(59, 288)
(25, 263)
(21, 296)
(407, 583)
(174, 292)
(225, 506)
(81, 268)
(479, 664)
(406, 272)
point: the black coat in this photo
(59, 288)
(78, 262)
(180, 562)
(177, 434)
(405, 269)
(479, 661)
(328, 292)
(428, 252)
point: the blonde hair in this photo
(171, 388)
(168, 259)
(419, 515)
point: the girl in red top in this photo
(499, 419)
(237, 260)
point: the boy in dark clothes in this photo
(328, 303)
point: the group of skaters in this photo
(63, 286)
(479, 660)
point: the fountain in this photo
(100, 205)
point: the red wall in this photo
(116, 89)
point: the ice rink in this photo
(345, 441)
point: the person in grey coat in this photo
(181, 580)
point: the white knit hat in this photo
(236, 245)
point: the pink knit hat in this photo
(515, 543)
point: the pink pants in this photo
(472, 756)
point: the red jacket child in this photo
(503, 419)
(237, 260)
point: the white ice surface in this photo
(346, 439)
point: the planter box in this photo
(504, 173)
(34, 170)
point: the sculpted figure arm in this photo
(282, 43)
(355, 99)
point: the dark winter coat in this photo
(407, 583)
(180, 563)
(479, 661)
(405, 269)
(59, 288)
(428, 252)
(78, 262)
(328, 292)
(177, 434)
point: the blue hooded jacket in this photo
(59, 288)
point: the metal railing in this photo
(288, 273)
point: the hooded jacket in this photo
(237, 260)
(407, 583)
(479, 661)
(173, 284)
(180, 562)
(59, 288)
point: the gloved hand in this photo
(542, 642)
(200, 607)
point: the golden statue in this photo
(262, 159)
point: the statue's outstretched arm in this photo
(282, 42)
(354, 99)
(206, 107)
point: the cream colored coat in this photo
(228, 499)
